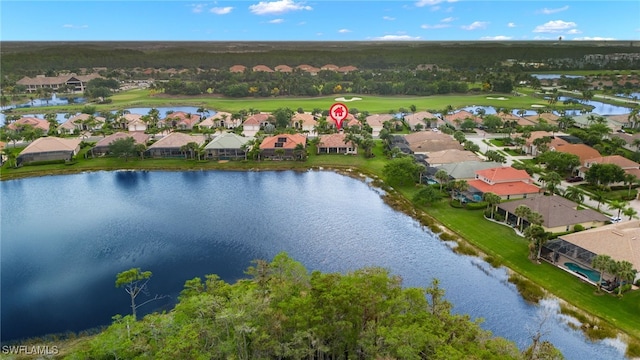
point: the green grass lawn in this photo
(502, 242)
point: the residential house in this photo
(575, 252)
(464, 170)
(76, 83)
(620, 121)
(305, 123)
(181, 120)
(506, 182)
(424, 118)
(102, 146)
(632, 141)
(227, 146)
(376, 122)
(530, 148)
(424, 142)
(399, 142)
(262, 68)
(558, 214)
(80, 123)
(220, 119)
(308, 69)
(456, 119)
(629, 166)
(336, 144)
(449, 156)
(330, 67)
(237, 68)
(284, 68)
(347, 69)
(549, 118)
(136, 124)
(31, 121)
(255, 123)
(49, 149)
(170, 145)
(582, 151)
(282, 147)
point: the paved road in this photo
(479, 138)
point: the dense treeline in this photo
(283, 312)
(40, 57)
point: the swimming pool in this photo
(592, 275)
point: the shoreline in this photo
(397, 201)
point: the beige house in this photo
(170, 145)
(220, 119)
(102, 146)
(227, 146)
(336, 144)
(49, 149)
(31, 121)
(558, 214)
(305, 123)
(424, 118)
(254, 123)
(76, 83)
(376, 121)
(425, 142)
(81, 122)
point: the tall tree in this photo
(134, 281)
(522, 212)
(442, 177)
(625, 273)
(601, 263)
(492, 200)
(124, 148)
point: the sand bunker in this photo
(537, 106)
(347, 100)
(496, 98)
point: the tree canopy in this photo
(283, 311)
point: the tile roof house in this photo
(220, 119)
(270, 148)
(558, 214)
(305, 123)
(449, 156)
(169, 146)
(424, 118)
(621, 241)
(423, 142)
(79, 123)
(550, 118)
(227, 146)
(530, 148)
(32, 121)
(181, 120)
(457, 118)
(629, 166)
(262, 68)
(466, 170)
(330, 67)
(49, 149)
(284, 68)
(237, 68)
(74, 82)
(254, 123)
(336, 144)
(582, 151)
(506, 182)
(376, 121)
(347, 69)
(102, 146)
(308, 69)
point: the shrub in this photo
(529, 291)
(465, 249)
(633, 348)
(435, 228)
(495, 262)
(476, 205)
(577, 228)
(456, 204)
(498, 217)
(487, 213)
(447, 237)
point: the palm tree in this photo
(630, 180)
(574, 194)
(522, 211)
(537, 237)
(551, 180)
(535, 218)
(492, 200)
(457, 187)
(618, 205)
(630, 212)
(601, 263)
(599, 196)
(442, 177)
(624, 272)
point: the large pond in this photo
(65, 237)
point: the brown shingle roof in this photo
(35, 122)
(177, 140)
(431, 141)
(555, 210)
(450, 156)
(334, 141)
(138, 137)
(51, 144)
(291, 140)
(621, 161)
(379, 119)
(284, 68)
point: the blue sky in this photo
(320, 20)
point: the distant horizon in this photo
(319, 21)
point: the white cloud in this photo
(422, 3)
(276, 21)
(436, 26)
(277, 7)
(555, 26)
(71, 26)
(389, 18)
(397, 38)
(344, 31)
(447, 20)
(597, 38)
(475, 25)
(499, 37)
(198, 8)
(511, 25)
(222, 10)
(574, 31)
(553, 11)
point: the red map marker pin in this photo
(338, 112)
